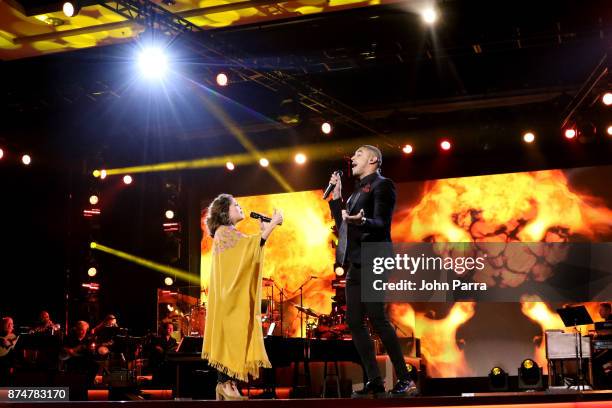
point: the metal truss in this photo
(205, 43)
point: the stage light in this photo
(570, 133)
(263, 162)
(498, 379)
(429, 16)
(102, 174)
(26, 159)
(127, 179)
(222, 79)
(300, 158)
(96, 173)
(326, 128)
(529, 375)
(607, 99)
(92, 272)
(165, 269)
(528, 137)
(169, 214)
(230, 166)
(152, 62)
(339, 271)
(71, 8)
(93, 199)
(445, 145)
(407, 149)
(1, 153)
(609, 130)
(168, 281)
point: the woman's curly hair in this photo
(218, 213)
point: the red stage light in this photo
(609, 130)
(1, 153)
(26, 159)
(607, 99)
(127, 179)
(407, 149)
(570, 133)
(445, 145)
(230, 166)
(300, 158)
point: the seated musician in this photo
(45, 325)
(8, 340)
(104, 334)
(78, 351)
(159, 347)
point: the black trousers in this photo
(356, 312)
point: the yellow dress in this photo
(233, 338)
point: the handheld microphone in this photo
(262, 217)
(331, 186)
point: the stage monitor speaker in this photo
(190, 344)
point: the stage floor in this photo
(588, 399)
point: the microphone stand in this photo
(281, 302)
(301, 289)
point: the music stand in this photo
(574, 316)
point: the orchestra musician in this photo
(233, 338)
(8, 340)
(158, 348)
(45, 325)
(104, 334)
(78, 352)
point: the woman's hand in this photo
(263, 225)
(268, 227)
(277, 217)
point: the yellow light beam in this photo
(243, 139)
(147, 263)
(321, 151)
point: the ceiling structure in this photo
(31, 28)
(485, 73)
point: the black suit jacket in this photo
(374, 194)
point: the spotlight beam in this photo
(598, 74)
(165, 269)
(237, 132)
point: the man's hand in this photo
(337, 180)
(353, 219)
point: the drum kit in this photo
(318, 326)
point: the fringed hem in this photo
(251, 367)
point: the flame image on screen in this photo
(535, 207)
(439, 344)
(299, 252)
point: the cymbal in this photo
(306, 310)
